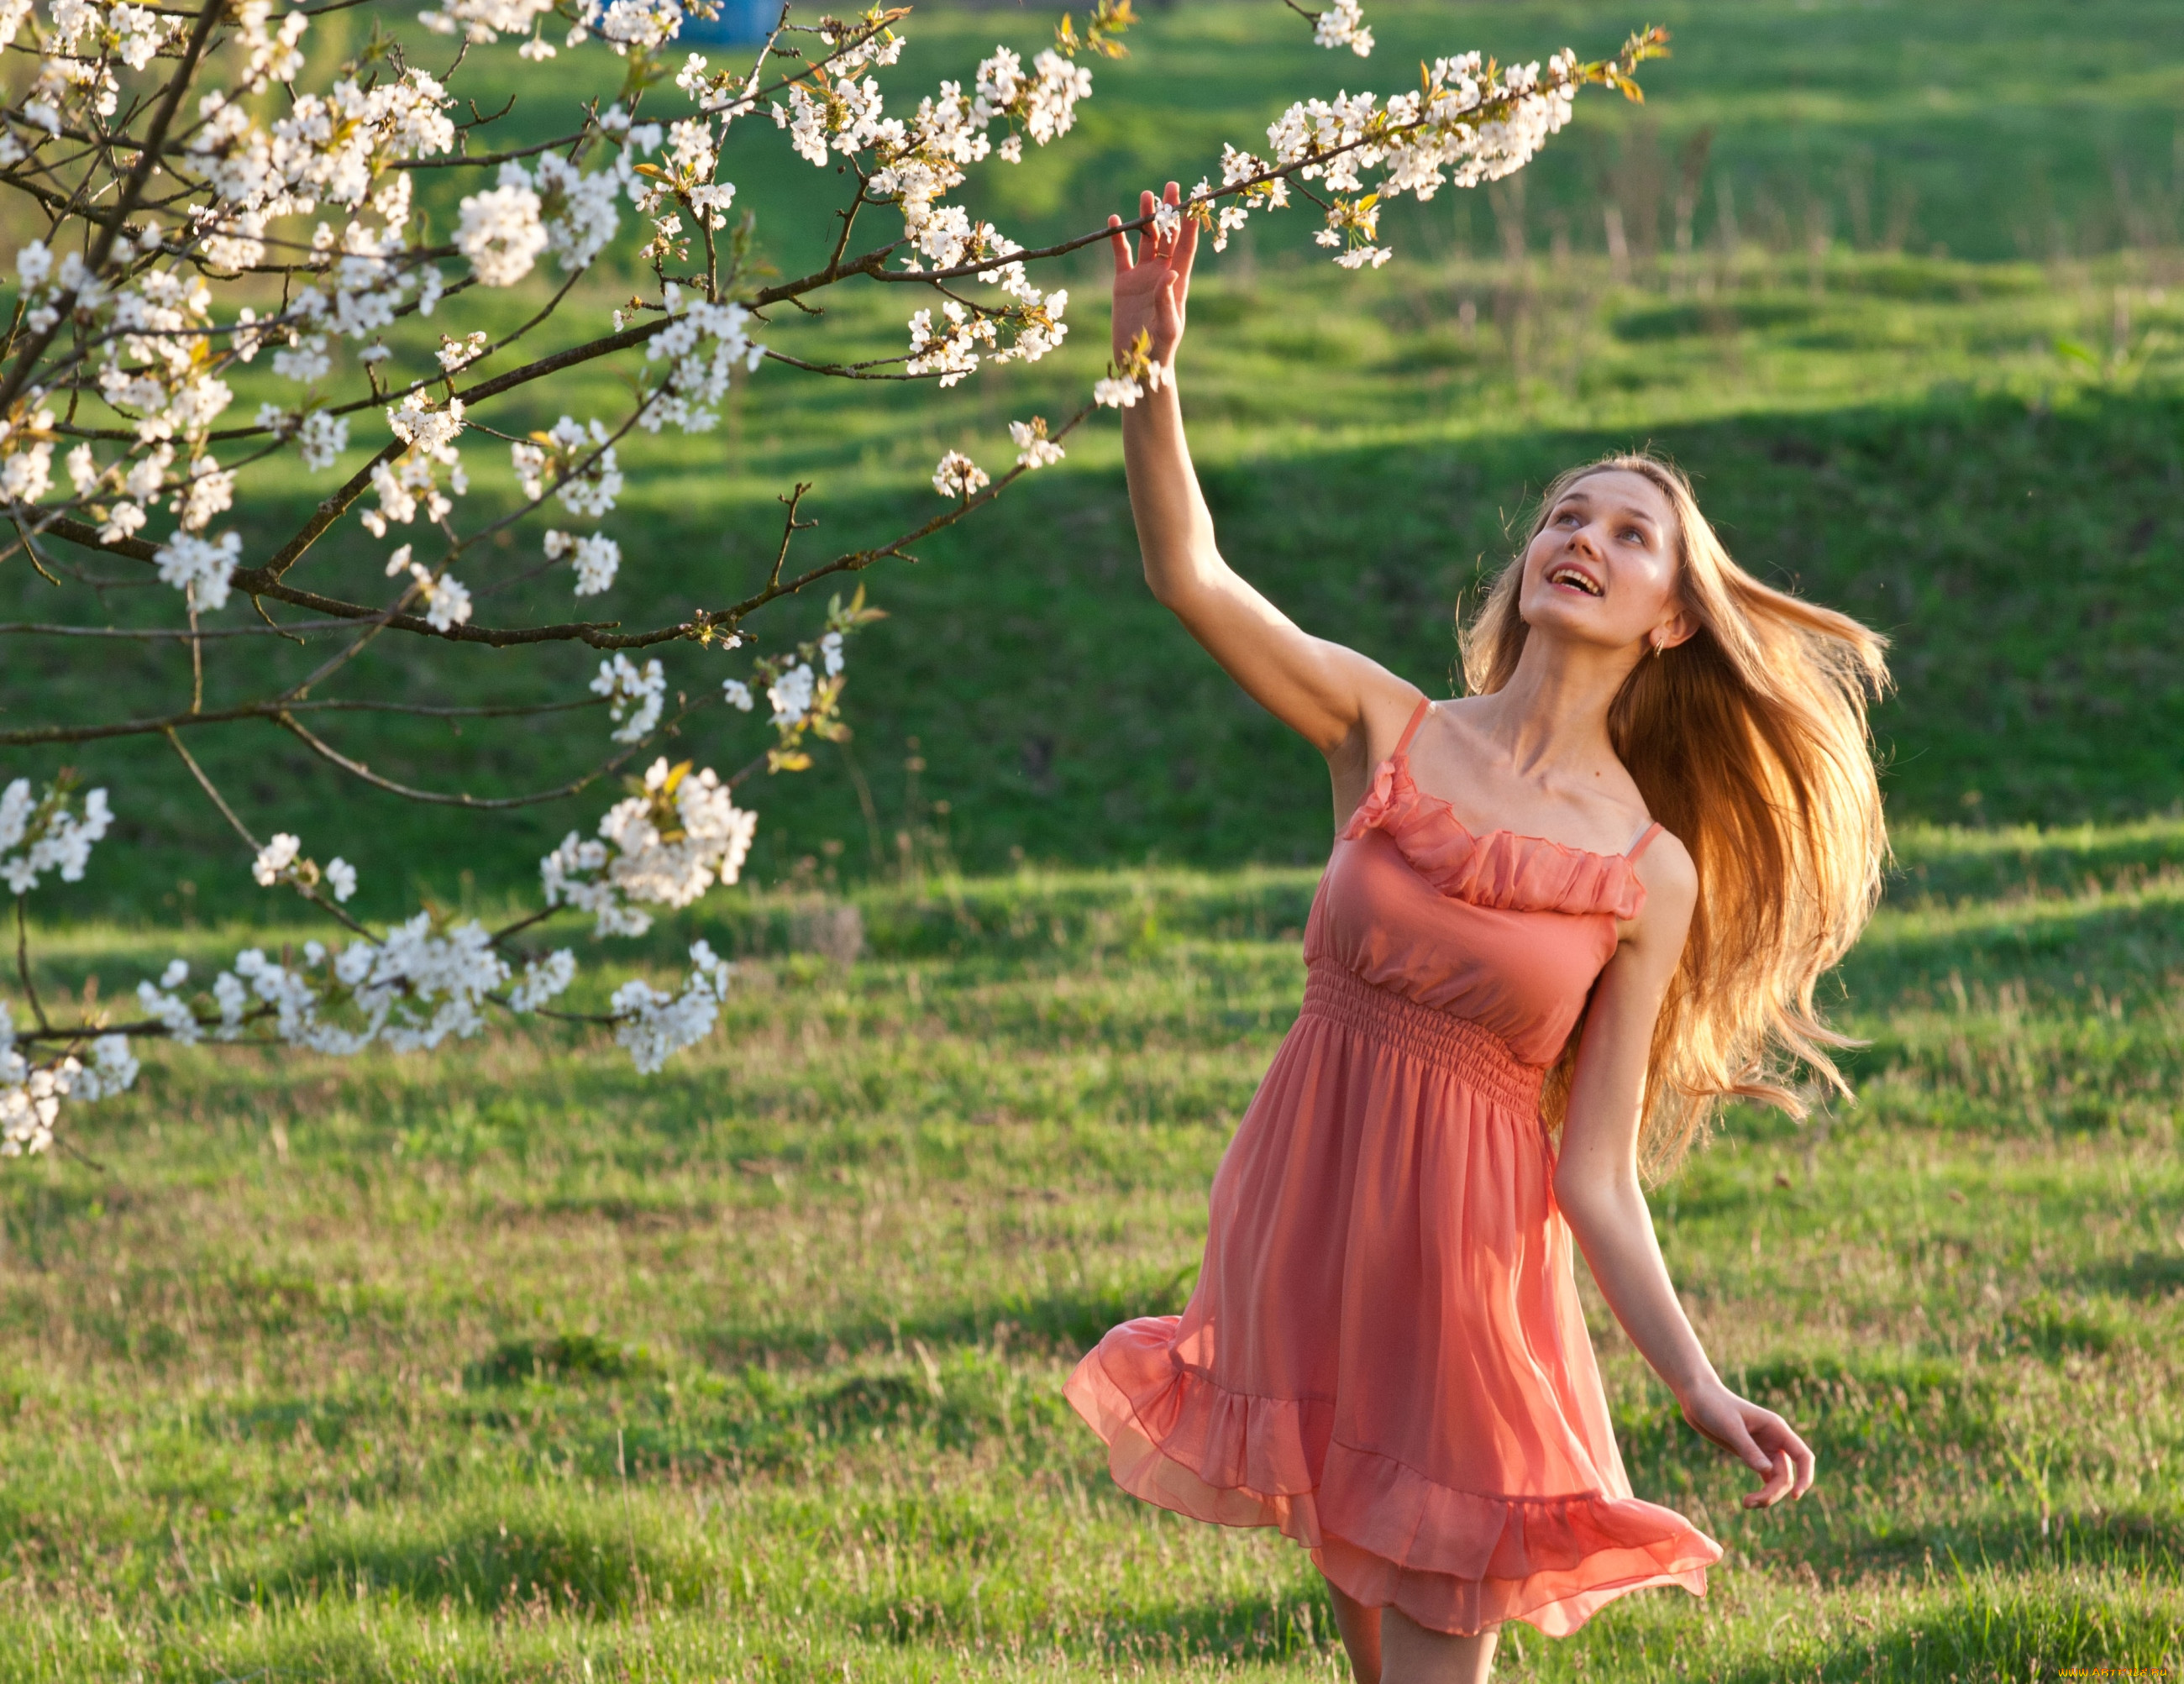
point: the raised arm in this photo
(1597, 1184)
(1350, 708)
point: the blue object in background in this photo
(741, 22)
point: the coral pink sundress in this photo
(1385, 1356)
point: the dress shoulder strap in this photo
(1644, 840)
(1418, 717)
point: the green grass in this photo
(506, 1364)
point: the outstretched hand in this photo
(1759, 1438)
(1152, 290)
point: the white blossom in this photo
(200, 568)
(634, 860)
(484, 21)
(341, 877)
(958, 476)
(736, 694)
(656, 1025)
(113, 1070)
(500, 231)
(597, 558)
(791, 694)
(446, 599)
(275, 859)
(639, 692)
(543, 979)
(321, 439)
(1034, 449)
(1343, 24)
(44, 835)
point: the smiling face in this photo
(1602, 568)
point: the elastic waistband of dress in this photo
(1457, 1045)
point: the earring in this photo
(1660, 644)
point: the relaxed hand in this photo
(1759, 1438)
(1152, 291)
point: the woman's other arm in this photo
(1597, 1184)
(1350, 708)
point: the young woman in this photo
(1563, 915)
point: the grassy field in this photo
(508, 1365)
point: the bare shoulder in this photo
(1671, 880)
(1384, 703)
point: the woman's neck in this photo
(1553, 712)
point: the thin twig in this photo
(357, 769)
(23, 963)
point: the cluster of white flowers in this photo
(1465, 126)
(454, 354)
(914, 162)
(627, 23)
(1034, 449)
(412, 480)
(791, 694)
(1343, 24)
(31, 1093)
(282, 861)
(640, 692)
(447, 597)
(46, 833)
(665, 844)
(200, 569)
(501, 231)
(958, 476)
(953, 352)
(275, 860)
(655, 1025)
(482, 22)
(586, 473)
(701, 344)
(543, 979)
(596, 558)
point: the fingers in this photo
(1790, 1461)
(1185, 252)
(1802, 1459)
(1774, 1488)
(1119, 244)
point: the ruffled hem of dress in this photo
(1499, 869)
(1452, 1560)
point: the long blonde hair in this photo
(1749, 742)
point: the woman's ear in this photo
(1678, 627)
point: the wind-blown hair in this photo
(1749, 742)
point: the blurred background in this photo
(1896, 283)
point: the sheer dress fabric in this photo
(1385, 1356)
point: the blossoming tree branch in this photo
(179, 160)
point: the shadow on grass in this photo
(572, 1563)
(1992, 1627)
(2149, 1274)
(1062, 1323)
(2147, 1542)
(1256, 1626)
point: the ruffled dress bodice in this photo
(1385, 1355)
(1505, 931)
